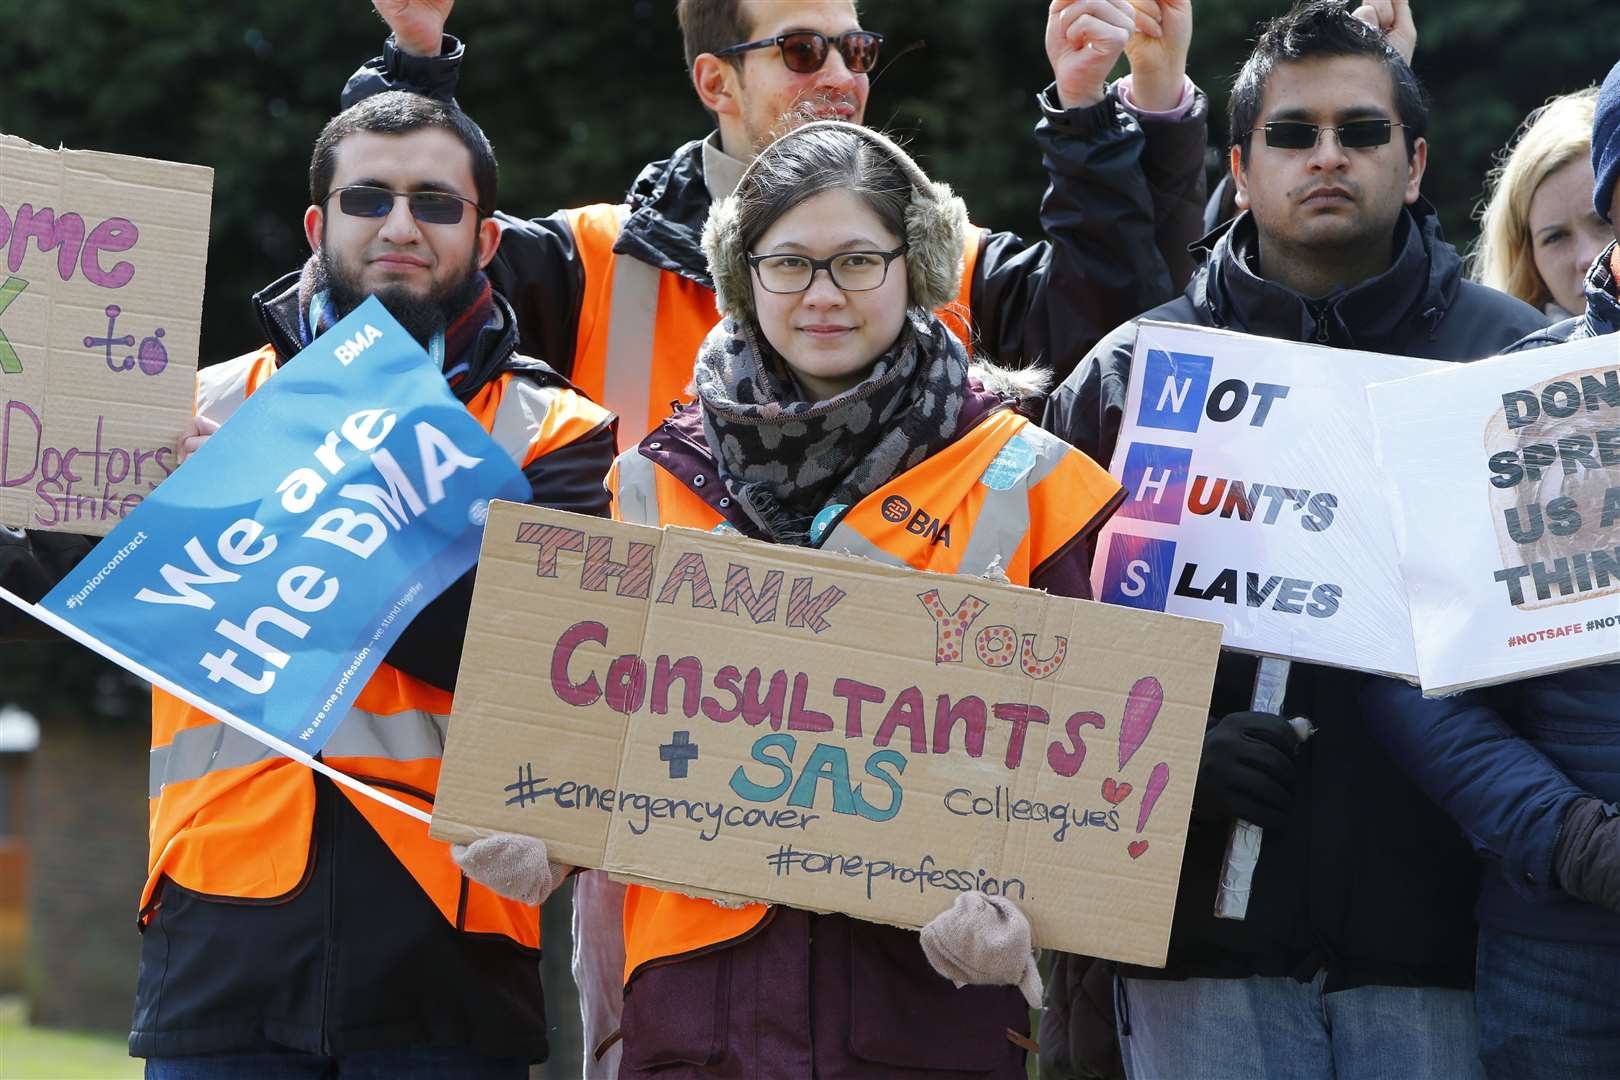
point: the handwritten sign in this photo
(272, 571)
(738, 719)
(1505, 478)
(1252, 497)
(100, 305)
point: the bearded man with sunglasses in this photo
(1356, 958)
(618, 297)
(291, 929)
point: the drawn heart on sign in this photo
(1115, 793)
(1136, 847)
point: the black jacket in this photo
(1507, 762)
(357, 958)
(1369, 881)
(1128, 191)
(1602, 314)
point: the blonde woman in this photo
(1538, 231)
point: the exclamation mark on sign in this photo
(1155, 787)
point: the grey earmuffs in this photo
(936, 232)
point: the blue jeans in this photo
(406, 1063)
(1548, 1008)
(1280, 1029)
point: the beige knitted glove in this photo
(514, 866)
(984, 941)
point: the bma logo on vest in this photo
(1176, 395)
(918, 522)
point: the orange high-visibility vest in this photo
(640, 327)
(1012, 496)
(230, 817)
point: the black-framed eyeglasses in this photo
(851, 271)
(1299, 135)
(804, 51)
(428, 207)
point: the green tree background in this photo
(576, 97)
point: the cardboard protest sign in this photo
(1505, 485)
(271, 573)
(1252, 497)
(739, 719)
(100, 308)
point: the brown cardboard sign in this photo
(738, 719)
(100, 311)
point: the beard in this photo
(810, 107)
(422, 315)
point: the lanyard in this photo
(320, 307)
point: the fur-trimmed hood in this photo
(936, 231)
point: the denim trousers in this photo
(1548, 1008)
(405, 1063)
(1282, 1029)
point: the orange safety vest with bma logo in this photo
(1001, 500)
(228, 817)
(640, 327)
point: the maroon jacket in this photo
(823, 996)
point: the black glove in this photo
(1247, 770)
(1587, 858)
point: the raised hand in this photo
(418, 25)
(1083, 40)
(1159, 59)
(1394, 18)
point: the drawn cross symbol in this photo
(10, 363)
(679, 752)
(128, 341)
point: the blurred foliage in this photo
(576, 97)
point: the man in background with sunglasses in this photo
(618, 297)
(294, 929)
(1356, 958)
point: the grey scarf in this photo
(784, 458)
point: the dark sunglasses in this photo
(804, 51)
(1298, 135)
(428, 207)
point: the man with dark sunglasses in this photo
(618, 297)
(290, 928)
(1356, 959)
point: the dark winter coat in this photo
(1507, 762)
(1369, 881)
(1128, 192)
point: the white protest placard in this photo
(1252, 498)
(738, 719)
(1505, 485)
(100, 310)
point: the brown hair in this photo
(709, 25)
(828, 155)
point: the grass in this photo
(29, 1053)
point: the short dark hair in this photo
(1315, 28)
(791, 171)
(708, 26)
(398, 112)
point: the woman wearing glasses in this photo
(829, 386)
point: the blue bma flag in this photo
(272, 571)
